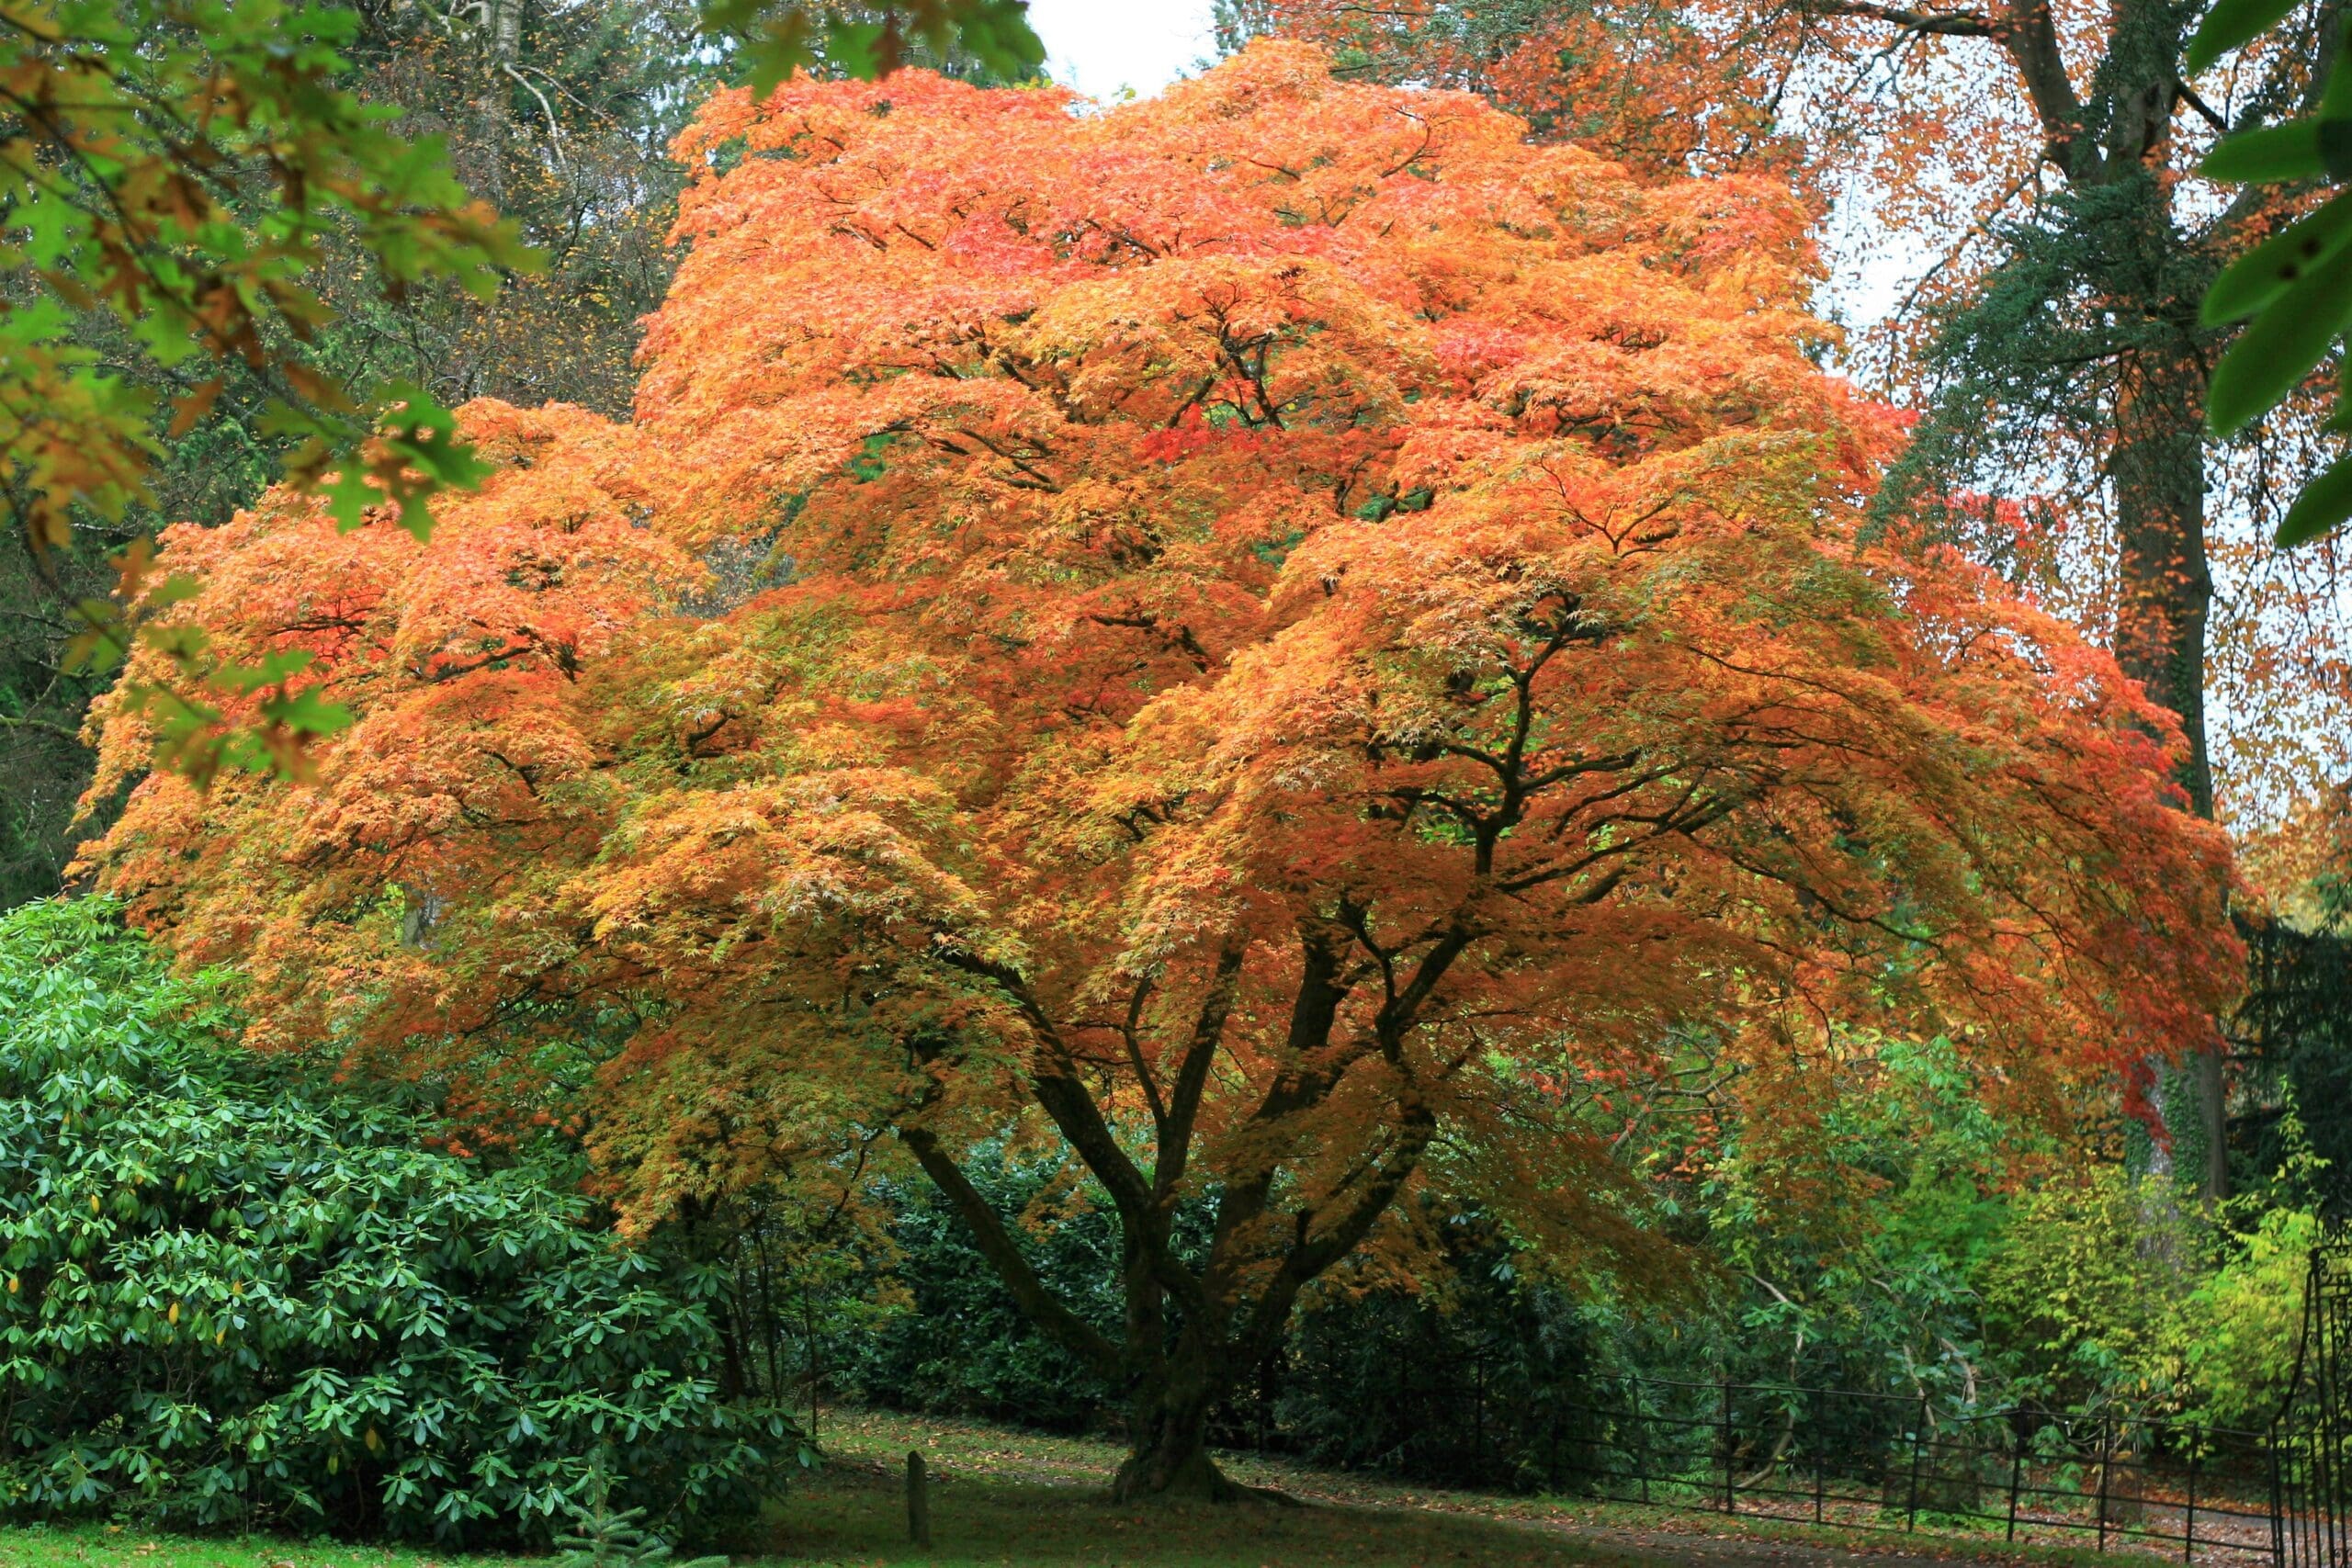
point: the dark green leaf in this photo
(2290, 152)
(2278, 349)
(2325, 502)
(2271, 267)
(2231, 22)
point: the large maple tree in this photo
(1280, 637)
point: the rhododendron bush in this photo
(1279, 636)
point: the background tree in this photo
(557, 113)
(180, 168)
(1312, 638)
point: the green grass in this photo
(853, 1514)
(96, 1546)
(1002, 1498)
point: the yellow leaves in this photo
(800, 856)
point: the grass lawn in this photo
(853, 1515)
(99, 1547)
(1007, 1499)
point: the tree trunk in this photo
(2165, 594)
(2165, 588)
(502, 45)
(1169, 1456)
(2213, 1105)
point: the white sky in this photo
(1102, 45)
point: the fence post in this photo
(1642, 1425)
(1478, 1412)
(2106, 1462)
(918, 1501)
(1820, 1451)
(2016, 1471)
(1918, 1438)
(2189, 1519)
(2279, 1523)
(1730, 1498)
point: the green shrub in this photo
(963, 1346)
(231, 1295)
(2235, 1337)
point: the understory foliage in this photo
(233, 1296)
(1279, 639)
(1967, 1262)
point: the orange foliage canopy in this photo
(1313, 635)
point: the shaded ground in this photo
(1002, 1498)
(1047, 1493)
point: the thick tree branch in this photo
(1313, 1251)
(2029, 35)
(1193, 1073)
(1042, 1307)
(1944, 24)
(1054, 1084)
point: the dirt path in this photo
(1703, 1540)
(1737, 1550)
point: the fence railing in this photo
(1889, 1462)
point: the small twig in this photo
(44, 726)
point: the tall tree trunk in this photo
(2165, 587)
(2121, 140)
(502, 45)
(2166, 592)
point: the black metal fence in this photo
(2310, 1441)
(1888, 1462)
(2281, 1497)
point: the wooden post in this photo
(918, 1500)
(2188, 1521)
(2106, 1461)
(1820, 1456)
(1731, 1497)
(2017, 1468)
(1918, 1438)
